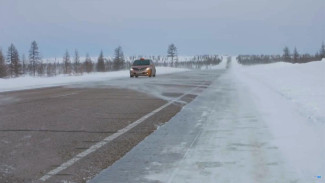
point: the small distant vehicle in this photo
(143, 67)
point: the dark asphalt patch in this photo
(171, 94)
(45, 127)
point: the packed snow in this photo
(301, 84)
(291, 99)
(29, 82)
(262, 123)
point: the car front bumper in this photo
(140, 73)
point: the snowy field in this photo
(301, 84)
(29, 82)
(291, 99)
(254, 124)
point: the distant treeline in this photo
(196, 62)
(12, 65)
(294, 57)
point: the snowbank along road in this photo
(71, 133)
(255, 124)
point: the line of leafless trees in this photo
(287, 56)
(12, 65)
(196, 62)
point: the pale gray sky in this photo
(148, 26)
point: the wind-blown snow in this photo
(258, 124)
(291, 98)
(29, 82)
(301, 84)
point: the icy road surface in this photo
(30, 82)
(79, 129)
(238, 130)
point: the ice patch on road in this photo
(6, 169)
(233, 144)
(6, 100)
(218, 137)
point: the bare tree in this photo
(172, 52)
(322, 51)
(41, 68)
(24, 64)
(34, 57)
(51, 69)
(100, 62)
(3, 67)
(295, 55)
(13, 61)
(76, 63)
(88, 64)
(67, 63)
(118, 62)
(286, 54)
(108, 64)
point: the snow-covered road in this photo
(239, 130)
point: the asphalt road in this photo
(41, 129)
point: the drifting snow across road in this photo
(29, 82)
(253, 124)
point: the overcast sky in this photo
(147, 27)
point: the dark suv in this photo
(143, 67)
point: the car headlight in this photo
(148, 68)
(131, 69)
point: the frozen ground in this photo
(300, 84)
(254, 124)
(29, 82)
(291, 100)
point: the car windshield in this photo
(141, 62)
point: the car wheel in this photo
(131, 76)
(136, 76)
